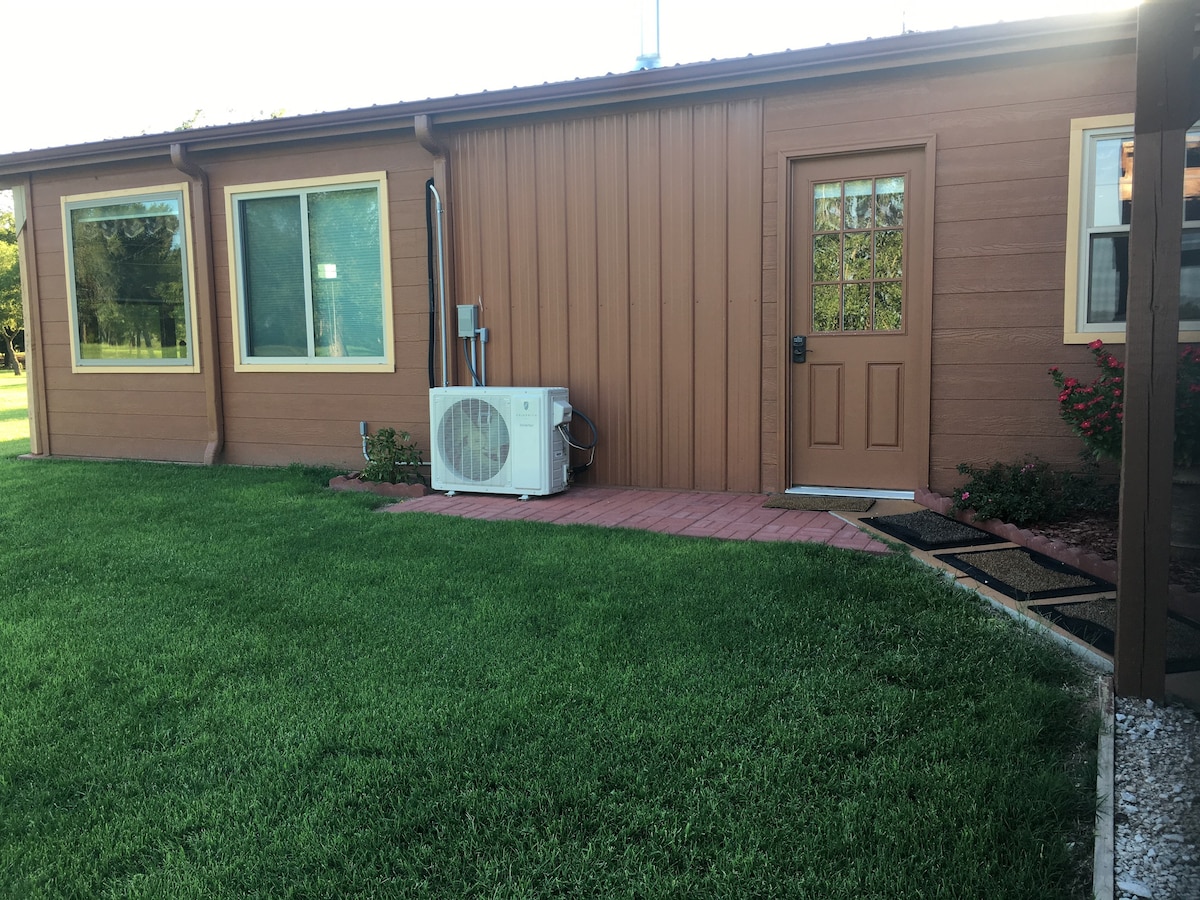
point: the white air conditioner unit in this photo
(499, 440)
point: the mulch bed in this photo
(927, 530)
(1098, 533)
(1025, 575)
(1094, 621)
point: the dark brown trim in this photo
(209, 353)
(1164, 60)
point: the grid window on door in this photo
(858, 255)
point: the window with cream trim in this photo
(1100, 204)
(129, 280)
(311, 281)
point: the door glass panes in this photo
(827, 257)
(827, 207)
(856, 310)
(858, 204)
(827, 307)
(889, 201)
(858, 255)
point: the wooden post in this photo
(1165, 39)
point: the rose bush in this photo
(1096, 410)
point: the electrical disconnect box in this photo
(468, 320)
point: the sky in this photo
(85, 71)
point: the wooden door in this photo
(860, 299)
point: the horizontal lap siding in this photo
(313, 417)
(269, 417)
(151, 415)
(999, 237)
(619, 256)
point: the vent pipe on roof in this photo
(649, 57)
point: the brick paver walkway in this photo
(694, 513)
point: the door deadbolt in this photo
(799, 348)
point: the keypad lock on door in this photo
(799, 348)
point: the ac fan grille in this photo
(473, 439)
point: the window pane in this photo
(1191, 179)
(827, 206)
(888, 305)
(827, 307)
(129, 280)
(857, 312)
(1189, 277)
(273, 277)
(889, 254)
(858, 204)
(889, 202)
(1112, 182)
(1108, 278)
(343, 230)
(827, 257)
(858, 256)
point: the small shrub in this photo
(394, 458)
(1030, 491)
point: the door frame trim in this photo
(927, 143)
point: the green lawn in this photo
(14, 418)
(233, 683)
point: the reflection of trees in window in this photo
(128, 274)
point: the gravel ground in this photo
(1157, 809)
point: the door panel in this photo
(858, 293)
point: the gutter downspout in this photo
(441, 178)
(210, 356)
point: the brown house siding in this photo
(618, 256)
(1000, 209)
(312, 417)
(149, 415)
(625, 243)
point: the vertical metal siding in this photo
(553, 331)
(635, 272)
(612, 256)
(711, 238)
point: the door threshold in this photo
(852, 492)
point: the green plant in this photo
(1096, 410)
(1029, 491)
(393, 457)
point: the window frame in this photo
(299, 187)
(1075, 329)
(179, 191)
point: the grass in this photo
(14, 418)
(229, 682)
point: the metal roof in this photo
(647, 85)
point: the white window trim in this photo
(242, 362)
(1075, 329)
(191, 365)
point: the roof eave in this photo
(909, 50)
